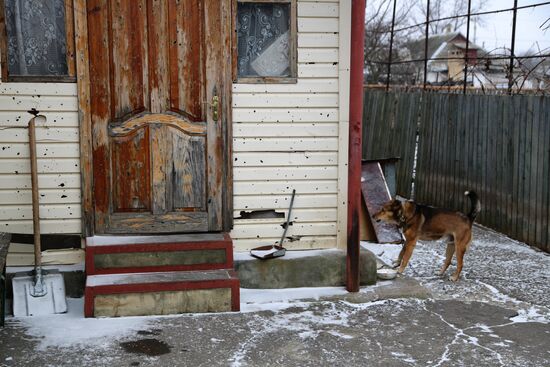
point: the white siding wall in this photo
(286, 136)
(58, 157)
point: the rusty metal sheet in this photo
(375, 194)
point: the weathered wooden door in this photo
(157, 84)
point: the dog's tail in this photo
(475, 205)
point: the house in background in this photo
(486, 69)
(176, 122)
(446, 54)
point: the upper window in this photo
(36, 43)
(266, 39)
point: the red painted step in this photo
(139, 254)
(161, 293)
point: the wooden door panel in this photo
(128, 58)
(188, 176)
(186, 68)
(155, 67)
(132, 190)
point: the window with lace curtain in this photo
(266, 41)
(37, 40)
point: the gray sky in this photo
(497, 28)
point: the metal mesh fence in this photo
(399, 53)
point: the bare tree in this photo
(409, 26)
(378, 25)
(452, 9)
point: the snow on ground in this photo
(73, 328)
(497, 269)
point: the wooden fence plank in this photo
(496, 145)
(533, 174)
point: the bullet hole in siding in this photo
(334, 63)
(42, 195)
(16, 172)
(63, 196)
(235, 159)
(261, 161)
(293, 238)
(260, 214)
(284, 224)
(310, 63)
(13, 98)
(62, 184)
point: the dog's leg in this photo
(409, 247)
(448, 256)
(461, 247)
(397, 262)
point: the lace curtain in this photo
(263, 36)
(36, 37)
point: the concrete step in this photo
(161, 293)
(139, 254)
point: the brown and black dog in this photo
(421, 222)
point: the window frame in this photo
(70, 54)
(293, 52)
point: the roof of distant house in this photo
(435, 41)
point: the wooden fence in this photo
(497, 145)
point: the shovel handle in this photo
(288, 217)
(34, 186)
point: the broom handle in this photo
(35, 204)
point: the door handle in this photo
(215, 106)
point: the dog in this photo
(422, 222)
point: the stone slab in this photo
(163, 303)
(323, 269)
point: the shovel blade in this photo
(24, 304)
(268, 252)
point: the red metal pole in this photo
(355, 134)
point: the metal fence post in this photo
(467, 46)
(426, 45)
(391, 46)
(512, 49)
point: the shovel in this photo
(37, 292)
(270, 252)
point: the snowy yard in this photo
(497, 314)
